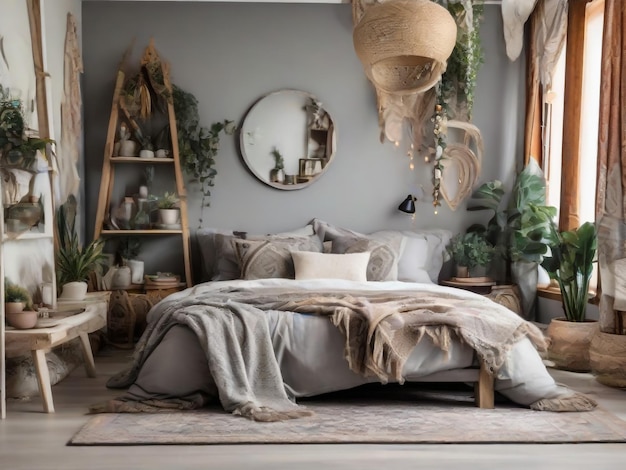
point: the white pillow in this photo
(414, 261)
(437, 240)
(349, 266)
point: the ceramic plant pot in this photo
(22, 320)
(74, 291)
(168, 216)
(13, 307)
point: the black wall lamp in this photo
(408, 205)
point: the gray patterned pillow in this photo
(271, 258)
(385, 248)
(221, 253)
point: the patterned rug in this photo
(387, 416)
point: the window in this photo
(571, 116)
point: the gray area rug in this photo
(408, 416)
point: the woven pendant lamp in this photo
(404, 45)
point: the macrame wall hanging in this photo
(405, 48)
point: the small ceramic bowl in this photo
(22, 320)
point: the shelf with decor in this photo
(143, 119)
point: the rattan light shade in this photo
(404, 45)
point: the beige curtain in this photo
(547, 33)
(611, 190)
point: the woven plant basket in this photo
(404, 45)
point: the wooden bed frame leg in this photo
(484, 388)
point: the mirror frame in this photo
(244, 135)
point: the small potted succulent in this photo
(168, 209)
(18, 306)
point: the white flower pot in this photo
(74, 291)
(169, 216)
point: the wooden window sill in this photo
(554, 293)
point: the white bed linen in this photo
(310, 350)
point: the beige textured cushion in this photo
(351, 267)
(271, 258)
(385, 248)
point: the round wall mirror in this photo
(287, 139)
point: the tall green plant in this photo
(521, 229)
(571, 265)
(73, 261)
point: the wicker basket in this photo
(404, 45)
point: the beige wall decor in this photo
(71, 121)
(404, 46)
(462, 165)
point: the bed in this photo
(322, 309)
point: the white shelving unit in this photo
(42, 186)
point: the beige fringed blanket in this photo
(381, 329)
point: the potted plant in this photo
(197, 145)
(519, 229)
(168, 209)
(469, 251)
(75, 263)
(127, 250)
(277, 174)
(18, 146)
(570, 263)
(18, 306)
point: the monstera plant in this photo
(520, 229)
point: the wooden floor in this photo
(30, 439)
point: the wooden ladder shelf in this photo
(112, 163)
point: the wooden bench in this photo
(64, 327)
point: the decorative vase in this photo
(277, 175)
(570, 342)
(145, 153)
(136, 270)
(128, 148)
(122, 278)
(75, 290)
(607, 358)
(525, 274)
(23, 320)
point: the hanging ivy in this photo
(458, 83)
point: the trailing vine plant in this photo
(197, 145)
(455, 91)
(458, 82)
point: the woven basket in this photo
(404, 45)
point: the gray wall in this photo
(230, 54)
